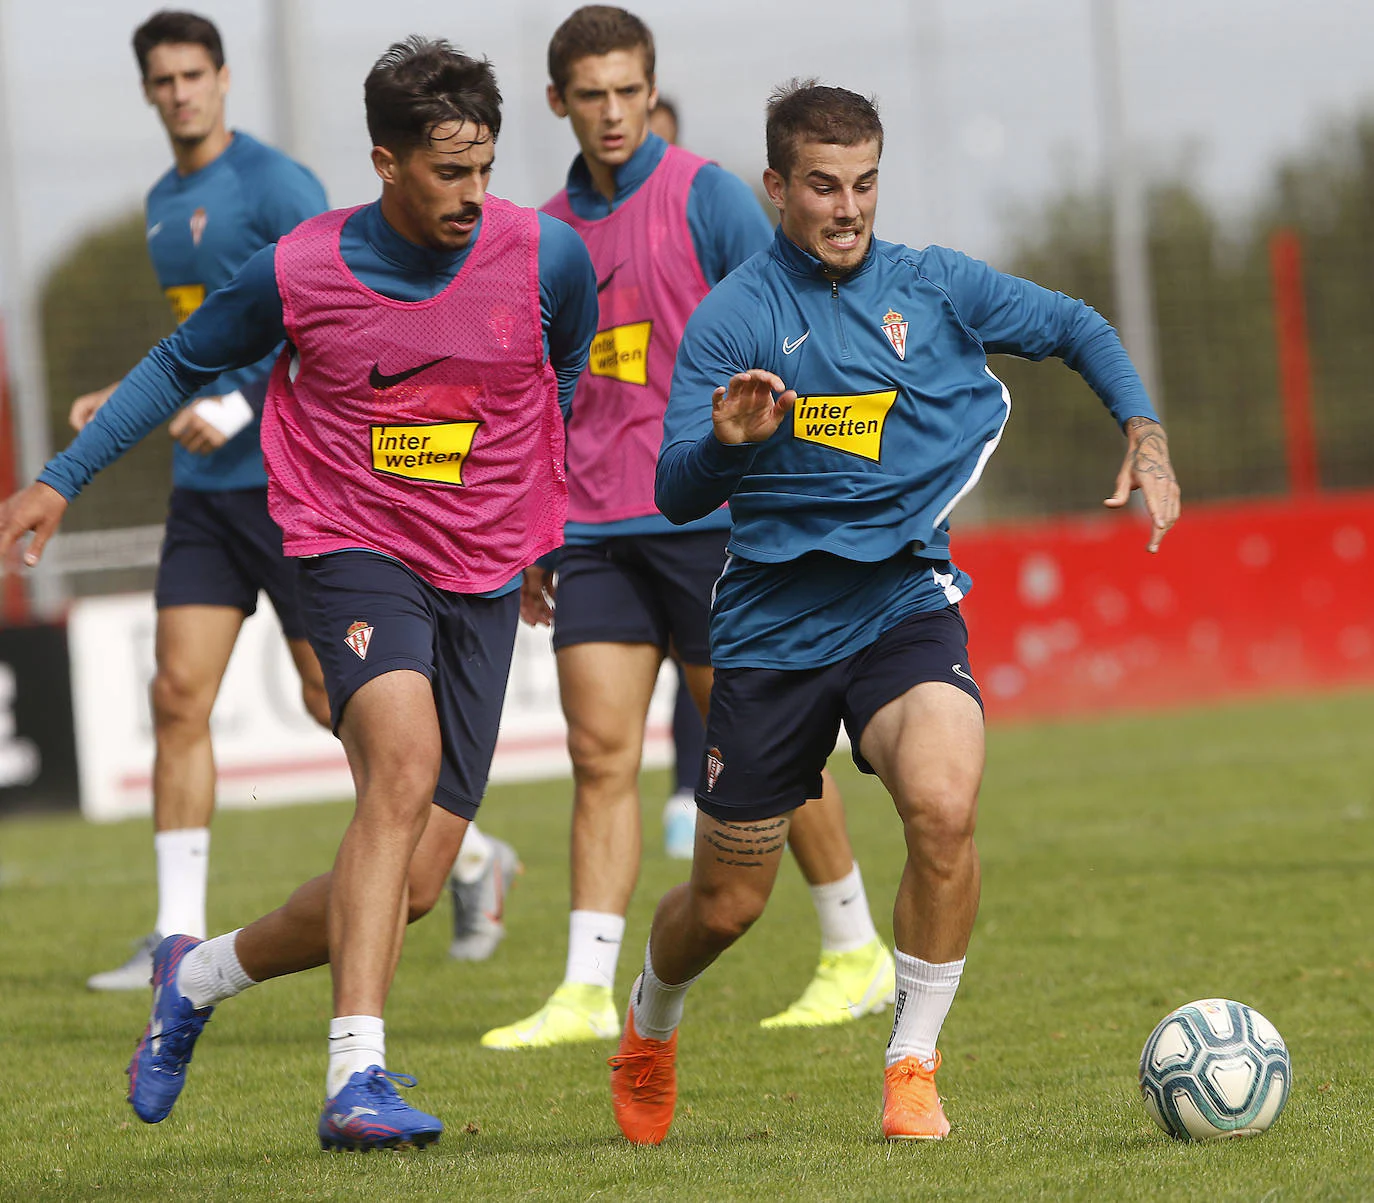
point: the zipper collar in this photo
(589, 204)
(802, 263)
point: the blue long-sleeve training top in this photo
(841, 517)
(202, 228)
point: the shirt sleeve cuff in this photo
(721, 458)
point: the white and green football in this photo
(1214, 1068)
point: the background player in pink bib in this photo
(663, 226)
(414, 447)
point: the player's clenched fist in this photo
(39, 509)
(747, 410)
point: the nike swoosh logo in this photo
(603, 940)
(959, 672)
(847, 901)
(380, 381)
(154, 231)
(602, 285)
(790, 345)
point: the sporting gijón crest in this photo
(895, 328)
(358, 637)
(715, 765)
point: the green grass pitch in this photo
(1130, 865)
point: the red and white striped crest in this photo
(358, 637)
(715, 765)
(895, 329)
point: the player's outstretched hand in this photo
(1147, 468)
(194, 433)
(39, 509)
(84, 407)
(747, 410)
(536, 597)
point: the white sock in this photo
(355, 1042)
(925, 993)
(183, 866)
(473, 857)
(842, 908)
(655, 1005)
(211, 972)
(594, 948)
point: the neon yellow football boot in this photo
(574, 1013)
(847, 986)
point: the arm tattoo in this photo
(745, 844)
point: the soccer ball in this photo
(1214, 1068)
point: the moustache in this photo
(467, 211)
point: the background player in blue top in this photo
(851, 408)
(226, 196)
(662, 226)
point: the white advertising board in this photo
(268, 752)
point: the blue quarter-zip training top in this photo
(841, 517)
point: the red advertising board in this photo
(1073, 616)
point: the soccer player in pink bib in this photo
(414, 447)
(663, 227)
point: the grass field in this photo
(1130, 865)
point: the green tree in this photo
(1214, 320)
(101, 312)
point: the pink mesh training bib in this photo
(426, 430)
(649, 281)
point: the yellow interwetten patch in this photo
(184, 299)
(432, 452)
(622, 353)
(853, 424)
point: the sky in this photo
(989, 105)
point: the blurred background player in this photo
(632, 588)
(663, 120)
(414, 502)
(843, 456)
(226, 197)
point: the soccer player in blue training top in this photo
(837, 391)
(414, 444)
(225, 197)
(662, 226)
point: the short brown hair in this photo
(421, 83)
(592, 30)
(168, 28)
(807, 111)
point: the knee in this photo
(601, 757)
(180, 702)
(940, 823)
(725, 915)
(400, 790)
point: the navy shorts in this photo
(770, 730)
(220, 549)
(641, 589)
(367, 614)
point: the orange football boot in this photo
(643, 1084)
(911, 1104)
